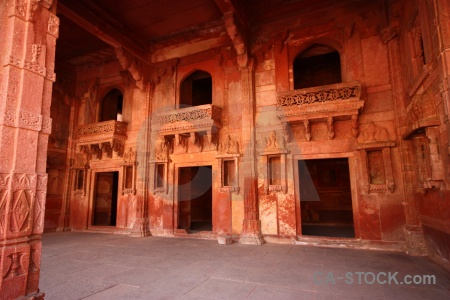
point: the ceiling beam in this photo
(96, 25)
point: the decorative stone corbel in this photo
(307, 130)
(132, 64)
(355, 126)
(330, 128)
(238, 37)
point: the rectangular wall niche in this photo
(160, 177)
(274, 170)
(229, 173)
(128, 177)
(377, 174)
(377, 168)
(79, 182)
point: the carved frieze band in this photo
(28, 120)
(315, 95)
(114, 127)
(211, 112)
(32, 66)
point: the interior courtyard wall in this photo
(363, 59)
(424, 34)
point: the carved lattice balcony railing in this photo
(201, 120)
(101, 138)
(342, 99)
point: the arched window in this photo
(111, 106)
(196, 89)
(318, 65)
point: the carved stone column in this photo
(28, 34)
(251, 228)
(141, 223)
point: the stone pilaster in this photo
(29, 33)
(251, 228)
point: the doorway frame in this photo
(176, 212)
(353, 171)
(92, 193)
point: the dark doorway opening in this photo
(105, 202)
(195, 199)
(325, 198)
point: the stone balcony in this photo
(322, 102)
(191, 121)
(103, 138)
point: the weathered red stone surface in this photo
(222, 89)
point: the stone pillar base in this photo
(415, 241)
(251, 233)
(140, 229)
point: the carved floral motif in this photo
(310, 96)
(374, 133)
(102, 127)
(230, 146)
(53, 25)
(210, 112)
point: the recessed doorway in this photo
(195, 199)
(325, 198)
(105, 202)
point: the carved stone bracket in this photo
(133, 64)
(375, 145)
(238, 37)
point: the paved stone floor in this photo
(107, 266)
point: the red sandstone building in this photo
(247, 120)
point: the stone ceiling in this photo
(91, 29)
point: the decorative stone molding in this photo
(32, 66)
(46, 125)
(229, 152)
(24, 181)
(421, 114)
(275, 148)
(323, 104)
(103, 137)
(375, 145)
(53, 26)
(323, 95)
